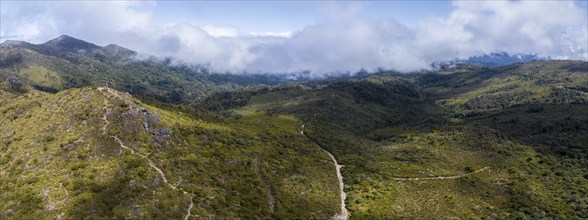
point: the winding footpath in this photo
(109, 93)
(188, 214)
(344, 215)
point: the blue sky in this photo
(284, 16)
(317, 36)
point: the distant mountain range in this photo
(501, 59)
(64, 43)
(492, 59)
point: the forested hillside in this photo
(67, 62)
(470, 142)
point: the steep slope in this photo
(98, 153)
(66, 62)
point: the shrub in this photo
(48, 138)
(469, 169)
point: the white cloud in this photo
(474, 27)
(286, 34)
(95, 21)
(343, 41)
(222, 31)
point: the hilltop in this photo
(96, 152)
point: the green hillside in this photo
(99, 153)
(472, 142)
(176, 142)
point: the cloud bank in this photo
(343, 41)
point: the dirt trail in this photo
(440, 177)
(108, 93)
(344, 213)
(264, 179)
(188, 214)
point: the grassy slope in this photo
(59, 158)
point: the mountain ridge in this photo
(94, 135)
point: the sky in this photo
(316, 36)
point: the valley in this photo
(100, 135)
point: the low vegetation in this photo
(171, 142)
(60, 158)
(445, 147)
